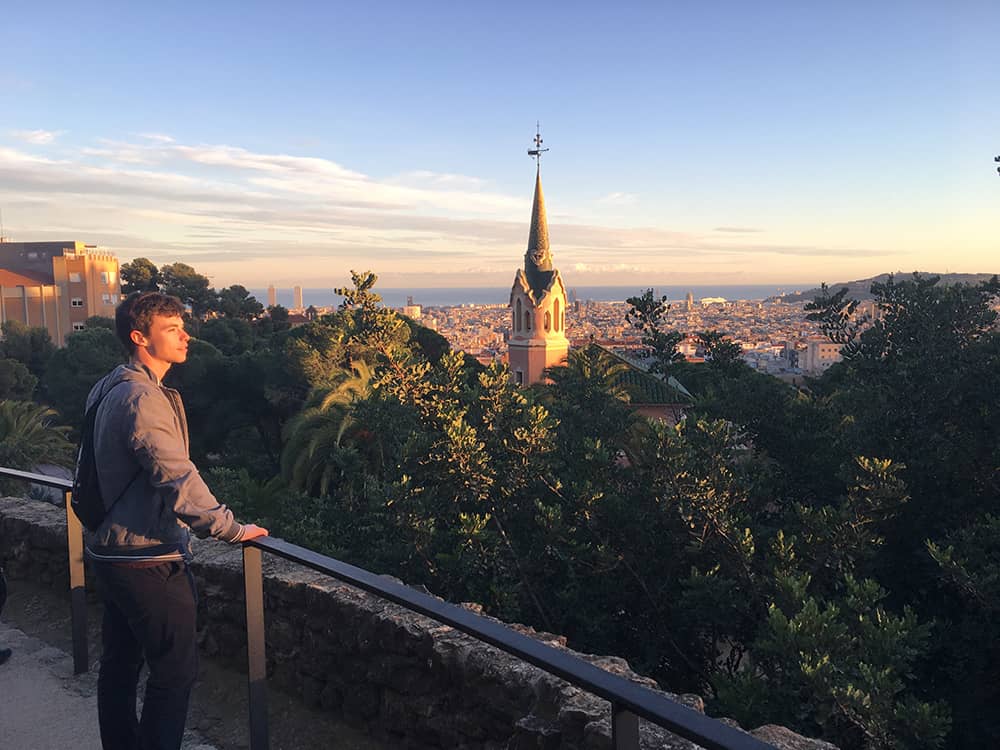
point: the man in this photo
(140, 553)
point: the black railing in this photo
(74, 544)
(629, 701)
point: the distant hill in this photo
(859, 289)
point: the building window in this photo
(75, 278)
(105, 277)
(517, 315)
(519, 377)
(548, 320)
(527, 320)
(79, 326)
(32, 256)
(106, 299)
(76, 302)
(556, 310)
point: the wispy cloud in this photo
(36, 137)
(249, 216)
(619, 199)
(738, 230)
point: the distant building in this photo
(297, 298)
(689, 302)
(272, 296)
(819, 354)
(538, 304)
(57, 285)
(412, 311)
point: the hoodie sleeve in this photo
(160, 449)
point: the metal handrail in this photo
(74, 546)
(629, 700)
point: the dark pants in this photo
(149, 616)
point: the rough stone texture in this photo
(396, 673)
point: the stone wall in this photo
(398, 674)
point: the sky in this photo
(691, 142)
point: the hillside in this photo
(859, 289)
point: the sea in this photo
(457, 296)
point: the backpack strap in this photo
(90, 422)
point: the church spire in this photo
(538, 258)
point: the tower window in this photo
(518, 377)
(76, 302)
(548, 320)
(555, 309)
(517, 315)
(527, 320)
(75, 278)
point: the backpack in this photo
(86, 498)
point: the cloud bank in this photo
(253, 218)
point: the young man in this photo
(141, 551)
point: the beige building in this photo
(538, 304)
(57, 285)
(818, 355)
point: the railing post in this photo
(253, 584)
(624, 728)
(77, 588)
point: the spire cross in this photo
(537, 151)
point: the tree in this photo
(278, 317)
(721, 352)
(16, 383)
(236, 302)
(100, 321)
(29, 436)
(229, 335)
(647, 313)
(88, 356)
(318, 437)
(183, 282)
(31, 346)
(141, 275)
(918, 384)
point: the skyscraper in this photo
(297, 297)
(537, 299)
(272, 296)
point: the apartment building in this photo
(57, 285)
(818, 355)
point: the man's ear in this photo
(138, 339)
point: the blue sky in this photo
(691, 142)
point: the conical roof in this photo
(538, 259)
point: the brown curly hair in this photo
(136, 313)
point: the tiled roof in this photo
(10, 278)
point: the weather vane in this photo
(537, 151)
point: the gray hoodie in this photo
(141, 449)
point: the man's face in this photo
(167, 341)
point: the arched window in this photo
(527, 320)
(517, 315)
(555, 308)
(548, 320)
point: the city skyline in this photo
(732, 145)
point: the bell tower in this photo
(538, 297)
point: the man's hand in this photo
(252, 531)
